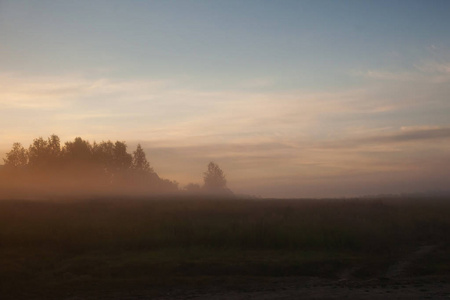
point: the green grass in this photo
(99, 243)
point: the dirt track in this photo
(300, 288)
(396, 283)
(326, 290)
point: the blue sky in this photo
(290, 98)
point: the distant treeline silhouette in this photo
(80, 168)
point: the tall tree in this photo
(37, 152)
(17, 157)
(122, 159)
(103, 154)
(214, 178)
(54, 146)
(77, 151)
(139, 162)
(112, 157)
(44, 153)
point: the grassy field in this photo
(51, 248)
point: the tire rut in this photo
(398, 269)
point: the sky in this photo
(289, 98)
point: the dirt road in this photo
(297, 288)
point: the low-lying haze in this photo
(291, 98)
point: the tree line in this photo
(79, 166)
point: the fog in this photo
(80, 181)
(393, 164)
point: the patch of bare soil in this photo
(300, 288)
(398, 269)
(394, 283)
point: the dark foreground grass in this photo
(52, 248)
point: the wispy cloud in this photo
(432, 69)
(91, 116)
(409, 135)
(304, 164)
(165, 110)
(386, 141)
(262, 82)
(275, 138)
(389, 76)
(57, 92)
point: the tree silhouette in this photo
(44, 153)
(142, 174)
(139, 162)
(17, 157)
(193, 188)
(78, 151)
(214, 178)
(54, 147)
(103, 155)
(121, 159)
(113, 159)
(82, 167)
